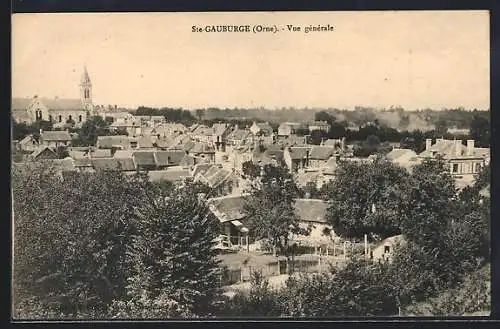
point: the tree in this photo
(250, 169)
(271, 214)
(70, 238)
(93, 127)
(62, 152)
(480, 130)
(317, 136)
(364, 199)
(172, 251)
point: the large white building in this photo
(59, 111)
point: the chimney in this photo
(458, 147)
(470, 147)
(428, 144)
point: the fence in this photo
(313, 264)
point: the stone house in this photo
(297, 157)
(55, 139)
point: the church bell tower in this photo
(86, 90)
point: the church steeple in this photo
(86, 89)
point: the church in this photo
(59, 111)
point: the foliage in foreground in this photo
(87, 242)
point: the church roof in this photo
(20, 103)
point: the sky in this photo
(422, 59)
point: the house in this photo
(105, 164)
(312, 216)
(296, 157)
(145, 160)
(43, 153)
(28, 144)
(319, 126)
(237, 137)
(261, 129)
(293, 140)
(109, 142)
(384, 252)
(464, 161)
(100, 153)
(171, 174)
(402, 157)
(55, 139)
(220, 133)
(229, 211)
(125, 160)
(170, 158)
(319, 155)
(222, 180)
(290, 128)
(83, 164)
(202, 151)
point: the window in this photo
(70, 118)
(455, 167)
(387, 249)
(60, 118)
(80, 118)
(133, 144)
(50, 118)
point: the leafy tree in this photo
(93, 127)
(172, 252)
(70, 238)
(62, 152)
(250, 169)
(317, 136)
(364, 198)
(480, 130)
(270, 207)
(324, 116)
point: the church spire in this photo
(86, 89)
(85, 79)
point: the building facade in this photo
(60, 111)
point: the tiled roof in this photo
(218, 177)
(201, 168)
(55, 135)
(169, 158)
(228, 208)
(298, 152)
(321, 152)
(164, 142)
(330, 166)
(144, 158)
(239, 134)
(170, 174)
(66, 104)
(445, 148)
(105, 163)
(188, 161)
(113, 141)
(42, 150)
(212, 170)
(397, 153)
(201, 148)
(126, 164)
(311, 210)
(219, 128)
(123, 154)
(100, 153)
